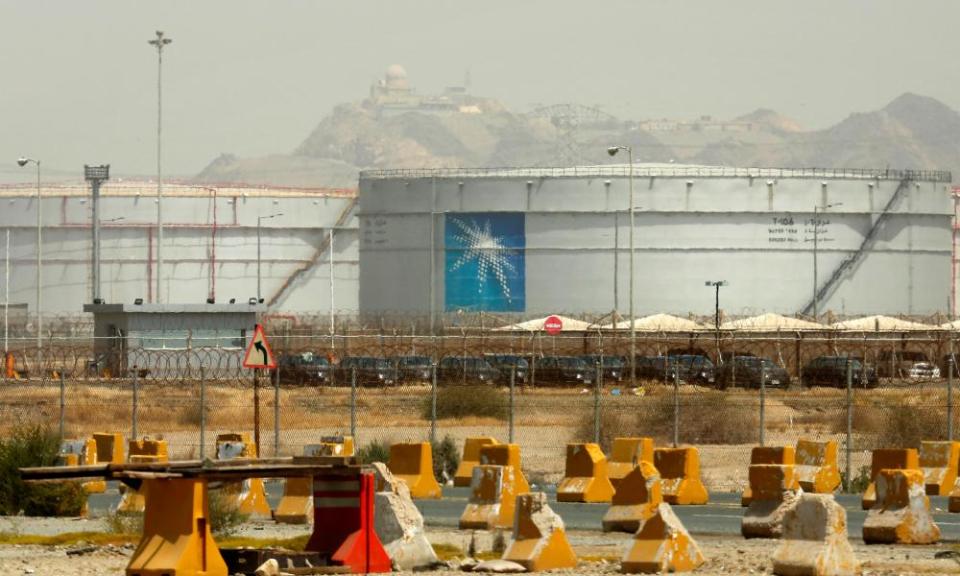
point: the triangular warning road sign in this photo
(258, 353)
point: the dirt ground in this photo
(599, 553)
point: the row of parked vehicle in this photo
(743, 370)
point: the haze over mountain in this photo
(397, 128)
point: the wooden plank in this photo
(212, 470)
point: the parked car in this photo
(832, 371)
(468, 369)
(370, 370)
(614, 367)
(654, 368)
(694, 368)
(304, 368)
(747, 371)
(506, 363)
(412, 368)
(906, 364)
(562, 369)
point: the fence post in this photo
(134, 431)
(676, 406)
(763, 401)
(276, 413)
(63, 407)
(849, 418)
(353, 404)
(950, 397)
(203, 412)
(433, 403)
(513, 381)
(596, 402)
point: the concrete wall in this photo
(755, 232)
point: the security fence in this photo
(722, 392)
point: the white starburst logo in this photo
(488, 250)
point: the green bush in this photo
(446, 459)
(456, 401)
(29, 446)
(375, 451)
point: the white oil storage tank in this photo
(544, 240)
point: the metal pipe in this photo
(276, 413)
(6, 299)
(816, 299)
(633, 330)
(763, 401)
(849, 419)
(95, 217)
(513, 382)
(676, 406)
(63, 407)
(950, 373)
(136, 393)
(333, 315)
(353, 404)
(433, 403)
(159, 43)
(203, 413)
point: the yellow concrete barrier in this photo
(539, 539)
(662, 544)
(82, 452)
(775, 491)
(816, 466)
(176, 536)
(506, 455)
(636, 500)
(470, 458)
(140, 451)
(585, 478)
(248, 495)
(109, 447)
(902, 512)
(626, 454)
(492, 499)
(893, 458)
(413, 463)
(680, 475)
(768, 455)
(939, 461)
(815, 540)
(296, 505)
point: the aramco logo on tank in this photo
(484, 264)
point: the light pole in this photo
(816, 233)
(332, 313)
(96, 175)
(23, 162)
(159, 42)
(612, 150)
(260, 219)
(716, 317)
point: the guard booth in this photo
(169, 340)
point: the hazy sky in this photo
(78, 80)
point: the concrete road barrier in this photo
(585, 477)
(815, 540)
(775, 492)
(816, 466)
(296, 505)
(413, 463)
(637, 499)
(768, 455)
(470, 458)
(492, 498)
(248, 495)
(539, 539)
(662, 544)
(893, 458)
(140, 451)
(939, 461)
(399, 524)
(902, 512)
(626, 454)
(680, 475)
(506, 455)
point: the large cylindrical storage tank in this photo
(537, 241)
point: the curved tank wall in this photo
(295, 258)
(540, 241)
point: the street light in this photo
(260, 219)
(96, 175)
(22, 161)
(716, 318)
(159, 43)
(816, 233)
(612, 150)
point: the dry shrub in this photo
(906, 425)
(455, 401)
(615, 422)
(704, 418)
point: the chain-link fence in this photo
(723, 392)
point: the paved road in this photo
(721, 516)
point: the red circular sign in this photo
(553, 325)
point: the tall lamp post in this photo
(259, 220)
(816, 234)
(716, 284)
(612, 150)
(23, 162)
(96, 175)
(159, 42)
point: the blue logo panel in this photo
(484, 261)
